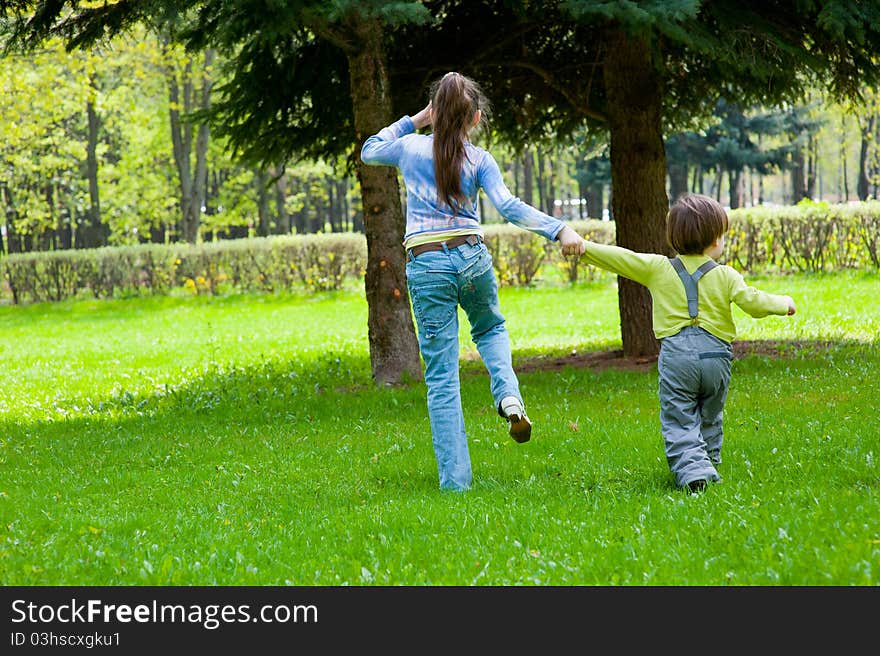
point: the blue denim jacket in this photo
(398, 145)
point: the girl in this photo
(449, 265)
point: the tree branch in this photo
(579, 102)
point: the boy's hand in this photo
(571, 242)
(791, 308)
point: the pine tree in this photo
(638, 70)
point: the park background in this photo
(96, 151)
(199, 404)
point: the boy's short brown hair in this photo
(693, 223)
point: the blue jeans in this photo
(438, 282)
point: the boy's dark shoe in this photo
(697, 486)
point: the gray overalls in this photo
(694, 373)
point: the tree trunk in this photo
(48, 238)
(299, 221)
(332, 211)
(263, 219)
(735, 191)
(528, 171)
(13, 239)
(751, 187)
(678, 178)
(181, 143)
(342, 197)
(595, 200)
(867, 129)
(316, 213)
(812, 168)
(200, 175)
(516, 176)
(698, 181)
(394, 350)
(193, 183)
(638, 175)
(65, 235)
(157, 233)
(282, 223)
(541, 181)
(719, 179)
(96, 233)
(798, 176)
(843, 146)
(583, 197)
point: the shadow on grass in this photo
(336, 387)
(615, 359)
(221, 397)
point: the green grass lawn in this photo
(240, 441)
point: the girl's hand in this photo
(423, 118)
(570, 241)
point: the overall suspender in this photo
(690, 281)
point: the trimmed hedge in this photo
(310, 262)
(810, 237)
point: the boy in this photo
(692, 297)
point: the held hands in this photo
(423, 118)
(571, 242)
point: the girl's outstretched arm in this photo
(509, 206)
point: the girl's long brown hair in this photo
(455, 100)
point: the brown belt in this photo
(455, 242)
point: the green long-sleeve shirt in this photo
(717, 290)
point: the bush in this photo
(310, 262)
(517, 255)
(809, 237)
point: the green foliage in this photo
(809, 237)
(240, 441)
(44, 140)
(548, 80)
(43, 144)
(519, 256)
(267, 264)
(735, 142)
(295, 72)
(574, 268)
(286, 96)
(104, 272)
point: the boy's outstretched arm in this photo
(640, 267)
(756, 303)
